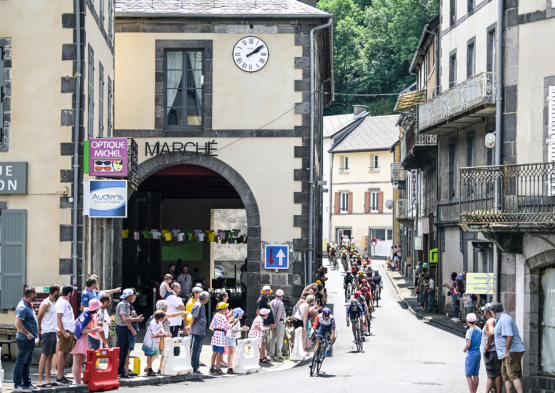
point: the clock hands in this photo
(256, 50)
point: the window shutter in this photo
(380, 202)
(367, 202)
(14, 238)
(350, 202)
(337, 201)
(1, 93)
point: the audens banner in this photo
(106, 199)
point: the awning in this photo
(408, 100)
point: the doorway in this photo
(385, 242)
(339, 232)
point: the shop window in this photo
(547, 322)
(184, 89)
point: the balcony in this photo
(526, 198)
(404, 210)
(460, 106)
(417, 150)
(398, 173)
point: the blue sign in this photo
(276, 257)
(107, 199)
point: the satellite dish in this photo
(490, 140)
(389, 204)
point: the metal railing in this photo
(526, 195)
(473, 92)
(398, 173)
(411, 139)
(404, 210)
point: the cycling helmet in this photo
(376, 271)
(361, 273)
(364, 263)
(326, 312)
(366, 257)
(352, 237)
(348, 273)
(343, 251)
(354, 302)
(364, 281)
(357, 294)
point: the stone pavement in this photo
(405, 292)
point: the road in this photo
(403, 354)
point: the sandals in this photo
(264, 360)
(151, 373)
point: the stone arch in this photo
(254, 245)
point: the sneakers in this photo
(456, 320)
(230, 371)
(22, 388)
(216, 371)
(63, 380)
(32, 387)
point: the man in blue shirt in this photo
(509, 348)
(92, 292)
(27, 332)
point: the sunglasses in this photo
(103, 162)
(102, 168)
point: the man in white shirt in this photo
(65, 331)
(175, 305)
(430, 291)
(47, 321)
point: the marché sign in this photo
(189, 148)
(13, 178)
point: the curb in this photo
(160, 380)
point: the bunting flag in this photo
(233, 236)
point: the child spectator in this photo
(83, 326)
(472, 361)
(220, 327)
(165, 287)
(154, 332)
(233, 334)
(257, 330)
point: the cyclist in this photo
(344, 256)
(325, 322)
(333, 252)
(378, 282)
(348, 279)
(355, 311)
(368, 271)
(367, 259)
(365, 306)
(353, 244)
(366, 290)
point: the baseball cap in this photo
(197, 289)
(471, 317)
(279, 292)
(264, 311)
(126, 293)
(486, 307)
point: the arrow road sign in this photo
(279, 253)
(479, 283)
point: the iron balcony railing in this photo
(404, 210)
(473, 92)
(410, 140)
(398, 173)
(526, 196)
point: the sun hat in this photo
(264, 311)
(266, 287)
(424, 264)
(238, 312)
(279, 292)
(126, 293)
(197, 289)
(221, 306)
(94, 305)
(471, 317)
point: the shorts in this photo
(150, 351)
(231, 342)
(513, 370)
(298, 323)
(266, 336)
(322, 331)
(472, 365)
(353, 315)
(493, 364)
(66, 344)
(94, 343)
(217, 349)
(132, 341)
(48, 343)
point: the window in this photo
(344, 168)
(453, 70)
(389, 234)
(490, 66)
(184, 91)
(379, 234)
(374, 163)
(101, 13)
(344, 202)
(470, 6)
(1, 93)
(91, 93)
(110, 99)
(110, 17)
(452, 168)
(547, 327)
(470, 150)
(470, 60)
(374, 202)
(453, 12)
(100, 100)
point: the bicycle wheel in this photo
(377, 301)
(358, 339)
(314, 367)
(322, 351)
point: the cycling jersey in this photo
(348, 279)
(366, 291)
(344, 256)
(354, 313)
(377, 279)
(332, 252)
(354, 270)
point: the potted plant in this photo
(112, 339)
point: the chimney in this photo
(359, 109)
(311, 3)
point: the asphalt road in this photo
(403, 354)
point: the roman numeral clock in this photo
(250, 54)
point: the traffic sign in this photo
(479, 283)
(276, 257)
(374, 242)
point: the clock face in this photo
(250, 54)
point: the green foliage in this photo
(374, 42)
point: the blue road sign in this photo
(277, 257)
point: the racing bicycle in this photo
(320, 354)
(348, 291)
(358, 336)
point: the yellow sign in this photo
(324, 245)
(479, 283)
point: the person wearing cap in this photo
(123, 317)
(220, 327)
(472, 349)
(84, 325)
(133, 329)
(257, 331)
(102, 319)
(65, 331)
(276, 338)
(269, 322)
(491, 360)
(233, 334)
(194, 298)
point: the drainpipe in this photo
(322, 152)
(76, 138)
(498, 130)
(311, 180)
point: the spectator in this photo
(198, 329)
(27, 332)
(47, 336)
(133, 329)
(84, 325)
(186, 281)
(102, 319)
(171, 271)
(65, 331)
(233, 334)
(220, 327)
(472, 361)
(396, 252)
(321, 275)
(461, 289)
(269, 322)
(166, 287)
(453, 292)
(491, 360)
(191, 302)
(92, 292)
(123, 317)
(175, 305)
(196, 275)
(509, 348)
(154, 332)
(422, 294)
(258, 329)
(276, 338)
(430, 292)
(162, 305)
(301, 315)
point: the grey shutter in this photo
(110, 20)
(91, 94)
(109, 130)
(14, 241)
(1, 93)
(100, 100)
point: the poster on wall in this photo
(106, 199)
(108, 157)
